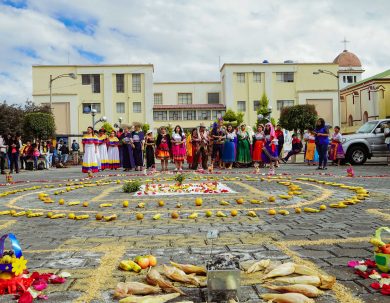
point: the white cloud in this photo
(184, 39)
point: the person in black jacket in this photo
(13, 153)
(64, 153)
(295, 149)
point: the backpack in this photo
(75, 146)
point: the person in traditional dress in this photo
(138, 138)
(228, 152)
(120, 147)
(259, 140)
(113, 151)
(90, 147)
(311, 155)
(217, 136)
(336, 152)
(127, 149)
(243, 147)
(189, 146)
(178, 142)
(270, 154)
(150, 144)
(200, 142)
(322, 143)
(163, 146)
(102, 147)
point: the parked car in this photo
(367, 142)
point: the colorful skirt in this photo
(228, 153)
(257, 150)
(104, 164)
(243, 152)
(90, 163)
(113, 157)
(179, 152)
(310, 151)
(336, 151)
(273, 153)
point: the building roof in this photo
(189, 106)
(276, 63)
(88, 65)
(347, 59)
(382, 75)
(189, 82)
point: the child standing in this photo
(336, 148)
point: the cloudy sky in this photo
(184, 39)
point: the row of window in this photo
(94, 81)
(349, 79)
(186, 98)
(177, 115)
(241, 105)
(120, 107)
(280, 76)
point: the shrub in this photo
(132, 186)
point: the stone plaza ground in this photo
(91, 250)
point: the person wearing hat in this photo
(127, 149)
(150, 144)
(138, 145)
(200, 144)
(163, 146)
(102, 147)
(243, 147)
(113, 151)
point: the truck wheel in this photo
(357, 155)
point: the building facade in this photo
(128, 92)
(368, 99)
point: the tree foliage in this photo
(234, 118)
(145, 128)
(107, 127)
(263, 110)
(298, 117)
(38, 125)
(12, 116)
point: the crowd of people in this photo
(223, 146)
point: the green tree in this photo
(239, 117)
(38, 125)
(230, 116)
(298, 117)
(145, 128)
(263, 110)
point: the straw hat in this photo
(135, 124)
(202, 124)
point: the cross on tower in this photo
(345, 43)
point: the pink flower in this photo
(40, 285)
(353, 263)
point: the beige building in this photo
(368, 99)
(128, 92)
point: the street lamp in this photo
(102, 119)
(116, 125)
(324, 71)
(70, 75)
(268, 116)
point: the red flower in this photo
(362, 274)
(375, 285)
(385, 289)
(383, 275)
(26, 297)
(370, 263)
(56, 280)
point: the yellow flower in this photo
(19, 265)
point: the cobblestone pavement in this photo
(91, 250)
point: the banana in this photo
(81, 217)
(105, 205)
(141, 205)
(19, 214)
(58, 216)
(129, 265)
(33, 215)
(193, 216)
(220, 214)
(252, 214)
(157, 217)
(110, 218)
(224, 203)
(5, 212)
(253, 201)
(283, 212)
(338, 205)
(377, 242)
(73, 203)
(311, 210)
(286, 197)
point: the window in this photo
(349, 79)
(120, 83)
(354, 79)
(136, 81)
(241, 106)
(189, 115)
(350, 120)
(285, 77)
(158, 99)
(218, 114)
(136, 107)
(87, 107)
(204, 115)
(85, 79)
(256, 105)
(95, 84)
(344, 79)
(365, 117)
(256, 77)
(175, 115)
(213, 98)
(241, 77)
(159, 115)
(185, 98)
(284, 103)
(120, 107)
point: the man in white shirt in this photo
(3, 153)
